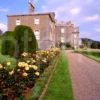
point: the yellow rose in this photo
(18, 70)
(8, 63)
(26, 68)
(44, 60)
(34, 67)
(12, 72)
(24, 54)
(20, 64)
(28, 61)
(25, 65)
(37, 73)
(1, 66)
(30, 66)
(33, 61)
(25, 74)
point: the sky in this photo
(84, 13)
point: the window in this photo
(18, 22)
(62, 30)
(36, 21)
(62, 39)
(75, 36)
(37, 34)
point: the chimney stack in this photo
(31, 7)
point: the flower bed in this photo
(16, 82)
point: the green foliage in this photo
(26, 39)
(7, 58)
(88, 43)
(8, 46)
(8, 43)
(95, 45)
(68, 45)
(22, 39)
(1, 32)
(8, 33)
(65, 45)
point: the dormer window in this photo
(18, 22)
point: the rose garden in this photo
(17, 79)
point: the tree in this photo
(22, 39)
(26, 40)
(86, 42)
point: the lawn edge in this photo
(87, 56)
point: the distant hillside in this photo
(91, 43)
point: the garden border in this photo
(36, 92)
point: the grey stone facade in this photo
(67, 32)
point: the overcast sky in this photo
(84, 13)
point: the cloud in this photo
(3, 27)
(97, 29)
(75, 11)
(86, 34)
(92, 18)
(90, 1)
(4, 10)
(65, 10)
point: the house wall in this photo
(46, 27)
(68, 35)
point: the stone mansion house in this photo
(47, 30)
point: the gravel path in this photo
(85, 75)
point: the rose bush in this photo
(29, 68)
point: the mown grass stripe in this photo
(60, 87)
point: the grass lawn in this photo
(7, 58)
(91, 53)
(60, 87)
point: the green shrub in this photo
(25, 38)
(22, 39)
(4, 35)
(8, 46)
(8, 33)
(68, 45)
